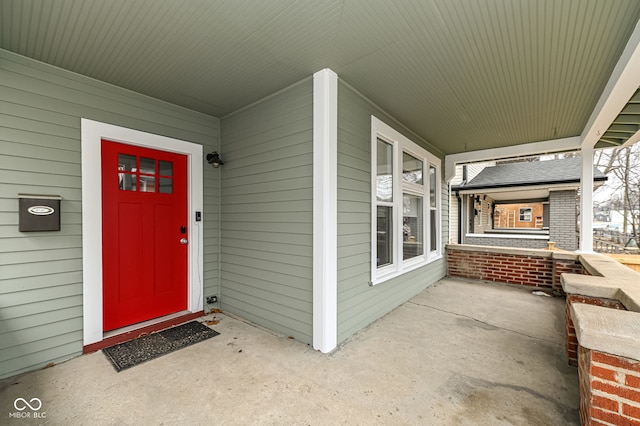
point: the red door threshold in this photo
(130, 335)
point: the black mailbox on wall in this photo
(39, 212)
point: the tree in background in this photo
(622, 166)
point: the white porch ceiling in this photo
(463, 74)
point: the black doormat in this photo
(128, 354)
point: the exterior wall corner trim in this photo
(325, 207)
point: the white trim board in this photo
(92, 132)
(325, 210)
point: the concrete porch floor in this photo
(460, 352)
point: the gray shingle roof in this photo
(548, 172)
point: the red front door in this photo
(144, 234)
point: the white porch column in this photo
(622, 84)
(586, 200)
(325, 210)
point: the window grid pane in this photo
(433, 209)
(384, 227)
(433, 236)
(384, 175)
(433, 182)
(526, 214)
(412, 227)
(411, 169)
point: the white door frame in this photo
(92, 133)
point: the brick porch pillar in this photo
(609, 365)
(571, 344)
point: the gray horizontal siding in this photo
(267, 190)
(41, 273)
(358, 303)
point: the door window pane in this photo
(165, 182)
(412, 227)
(147, 166)
(127, 182)
(165, 185)
(126, 172)
(411, 169)
(147, 183)
(384, 178)
(127, 162)
(384, 228)
(165, 168)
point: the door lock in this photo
(183, 241)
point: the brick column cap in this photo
(609, 279)
(607, 330)
(605, 266)
(588, 285)
(504, 250)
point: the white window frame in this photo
(400, 144)
(521, 215)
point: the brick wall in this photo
(562, 219)
(609, 389)
(571, 344)
(528, 270)
(565, 266)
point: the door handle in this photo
(183, 241)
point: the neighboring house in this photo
(522, 204)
